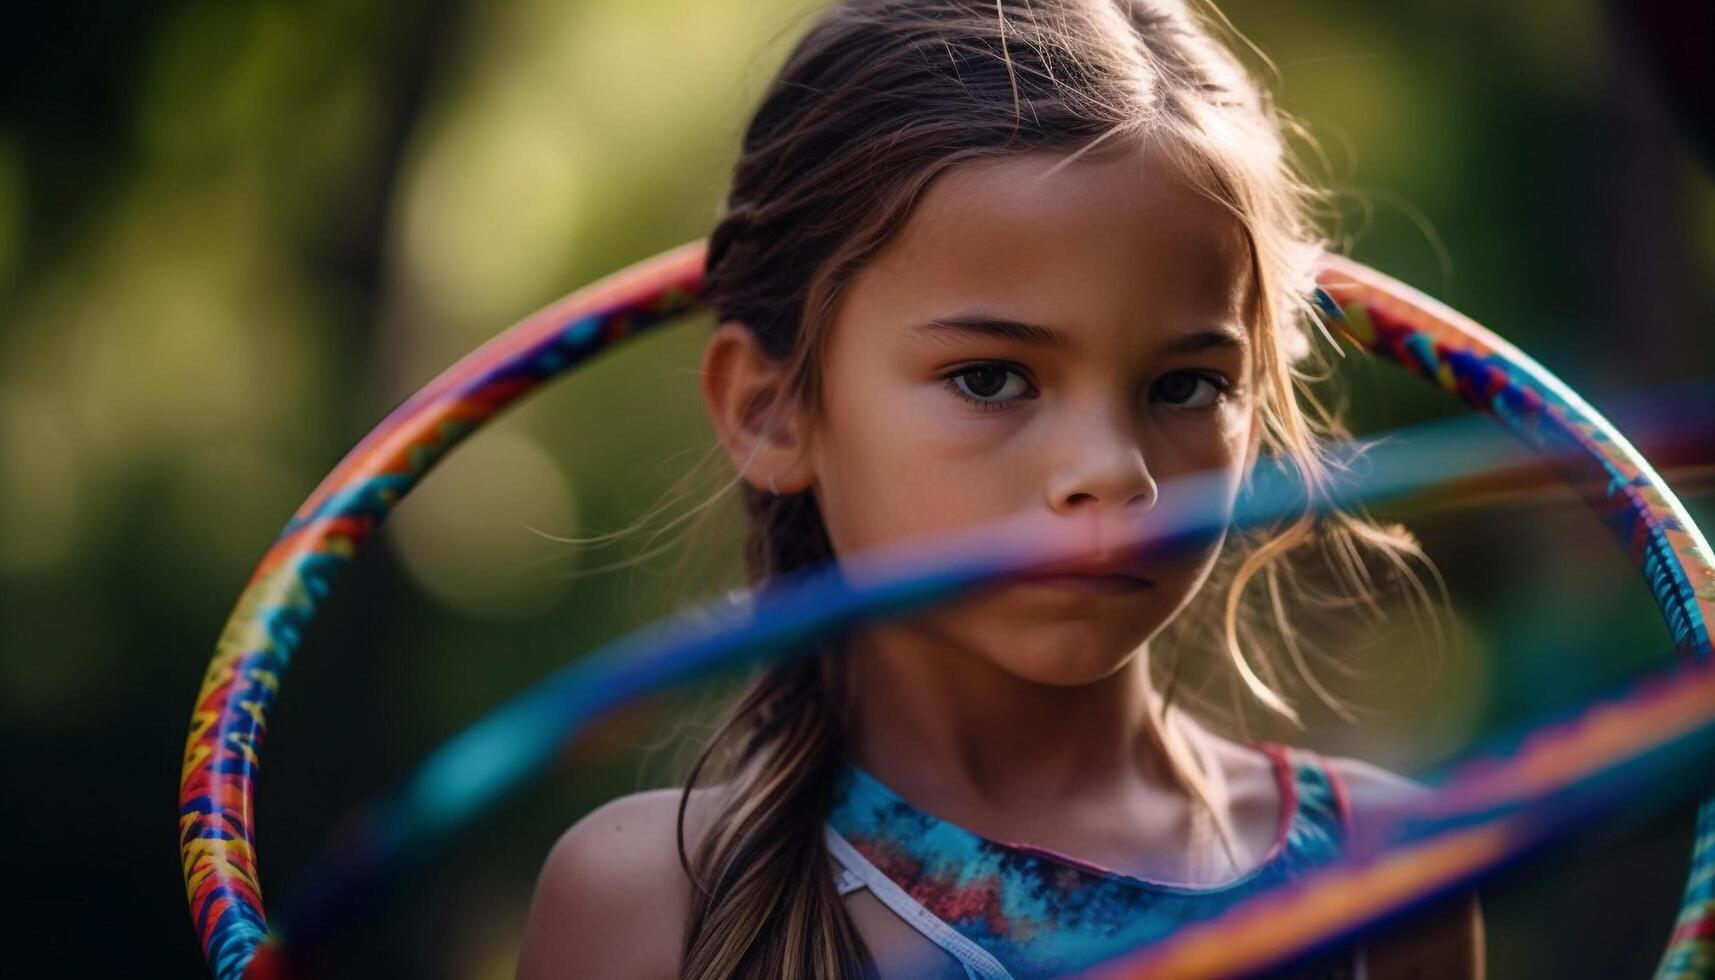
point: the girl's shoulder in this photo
(1360, 787)
(612, 899)
(1444, 939)
(1368, 787)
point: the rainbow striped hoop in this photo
(295, 576)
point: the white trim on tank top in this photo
(978, 962)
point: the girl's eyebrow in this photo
(1037, 335)
(1223, 336)
(983, 325)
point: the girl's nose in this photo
(1102, 467)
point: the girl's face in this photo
(1066, 342)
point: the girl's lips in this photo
(1092, 583)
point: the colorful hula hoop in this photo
(1377, 313)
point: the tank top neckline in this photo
(1286, 785)
(1018, 912)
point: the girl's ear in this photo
(744, 391)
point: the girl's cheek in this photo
(1238, 422)
(1217, 439)
(953, 430)
(1235, 420)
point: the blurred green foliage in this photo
(233, 235)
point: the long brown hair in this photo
(875, 101)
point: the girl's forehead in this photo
(1119, 238)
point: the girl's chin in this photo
(1062, 674)
(1060, 665)
(1055, 644)
(1107, 634)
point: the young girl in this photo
(978, 259)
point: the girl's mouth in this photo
(1097, 583)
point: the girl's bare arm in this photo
(1443, 941)
(611, 899)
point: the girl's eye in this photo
(991, 384)
(1191, 389)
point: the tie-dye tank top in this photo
(1016, 910)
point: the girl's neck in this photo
(946, 721)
